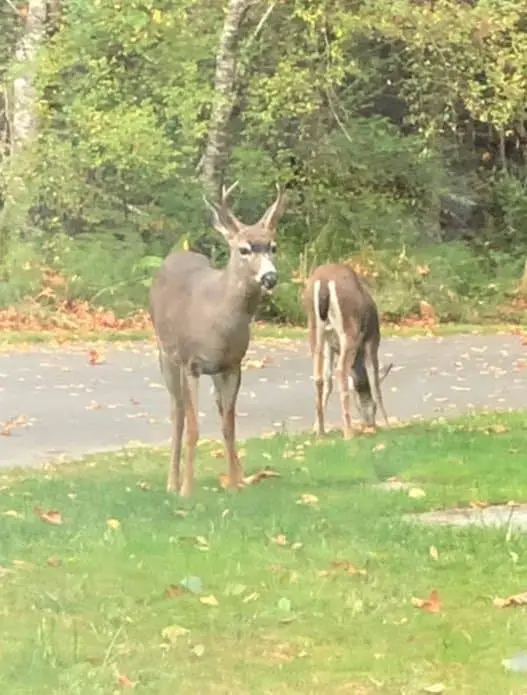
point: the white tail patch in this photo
(335, 317)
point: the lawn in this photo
(301, 584)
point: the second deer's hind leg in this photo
(372, 368)
(346, 359)
(190, 387)
(226, 388)
(329, 366)
(173, 374)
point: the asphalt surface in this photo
(55, 404)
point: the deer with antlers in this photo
(343, 325)
(202, 318)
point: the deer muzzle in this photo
(269, 280)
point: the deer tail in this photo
(322, 300)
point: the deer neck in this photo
(242, 293)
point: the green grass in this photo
(261, 332)
(286, 621)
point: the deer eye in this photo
(244, 250)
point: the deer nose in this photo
(268, 280)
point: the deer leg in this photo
(372, 369)
(345, 360)
(227, 387)
(318, 376)
(178, 424)
(329, 365)
(190, 389)
(172, 374)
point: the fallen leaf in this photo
(416, 493)
(54, 561)
(198, 650)
(173, 632)
(251, 597)
(173, 590)
(280, 539)
(263, 474)
(429, 605)
(192, 584)
(307, 498)
(124, 682)
(348, 567)
(210, 600)
(94, 357)
(435, 688)
(515, 600)
(284, 604)
(517, 663)
(296, 545)
(113, 524)
(379, 447)
(13, 514)
(51, 517)
(433, 552)
(7, 427)
(217, 453)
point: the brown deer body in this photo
(344, 327)
(202, 319)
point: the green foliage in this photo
(371, 117)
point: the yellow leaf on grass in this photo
(198, 649)
(113, 524)
(210, 600)
(280, 539)
(416, 493)
(173, 632)
(13, 514)
(433, 552)
(307, 498)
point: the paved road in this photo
(65, 406)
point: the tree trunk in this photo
(215, 156)
(23, 120)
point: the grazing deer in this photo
(201, 318)
(344, 322)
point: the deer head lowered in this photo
(201, 318)
(344, 327)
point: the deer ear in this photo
(223, 220)
(272, 214)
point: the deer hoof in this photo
(172, 486)
(185, 490)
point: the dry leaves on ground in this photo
(348, 567)
(52, 516)
(431, 604)
(7, 427)
(253, 479)
(514, 600)
(210, 600)
(95, 357)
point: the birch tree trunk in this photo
(23, 120)
(214, 158)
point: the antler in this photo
(273, 212)
(224, 219)
(225, 192)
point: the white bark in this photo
(23, 117)
(212, 163)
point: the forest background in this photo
(398, 130)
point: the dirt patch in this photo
(496, 516)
